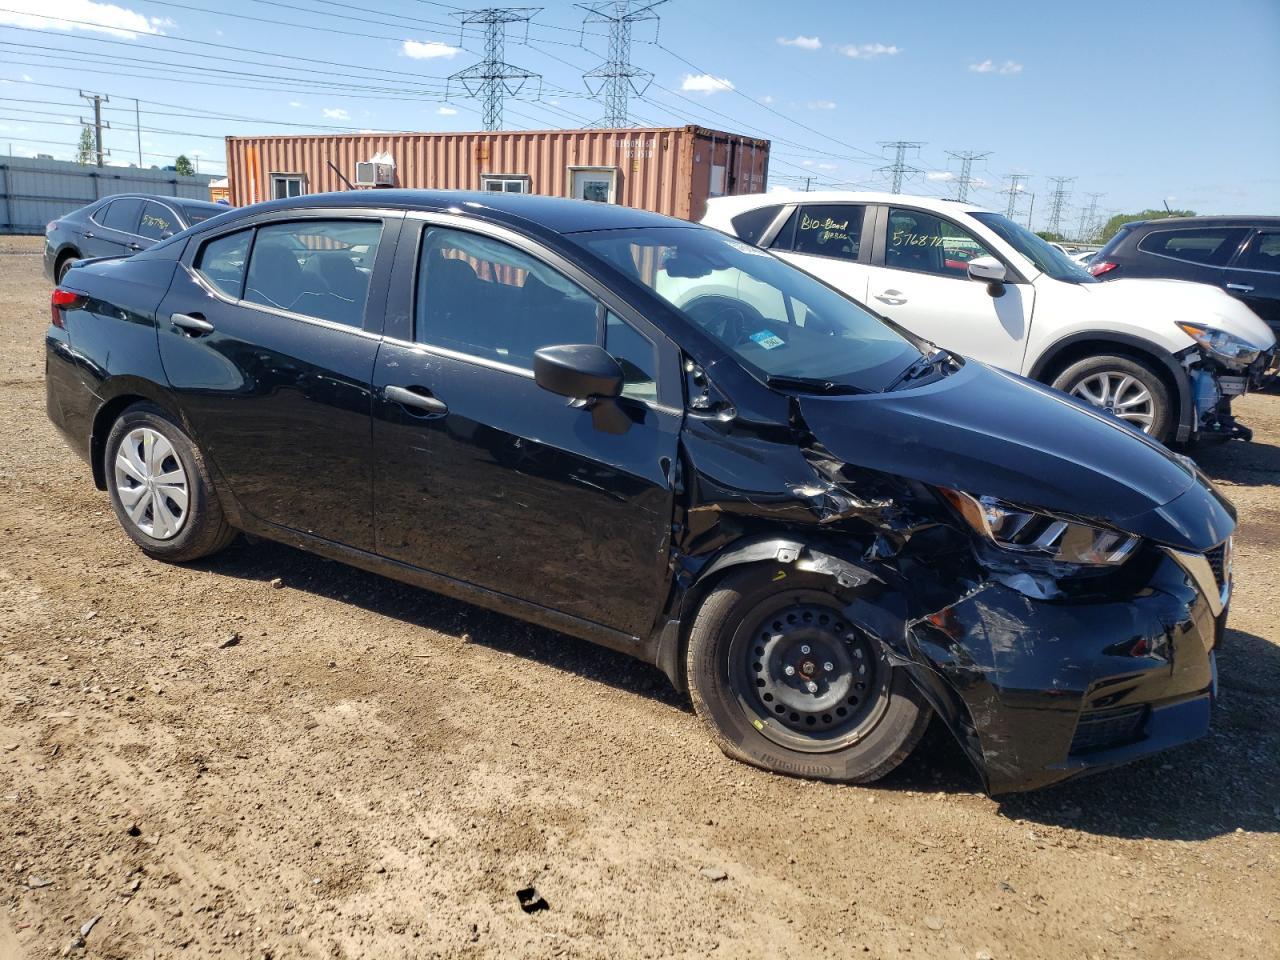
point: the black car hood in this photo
(988, 432)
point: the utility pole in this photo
(964, 181)
(1089, 217)
(617, 78)
(808, 184)
(1014, 190)
(98, 124)
(492, 78)
(1059, 200)
(137, 124)
(900, 169)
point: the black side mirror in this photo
(582, 371)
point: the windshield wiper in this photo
(931, 363)
(811, 385)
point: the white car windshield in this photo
(1047, 258)
(788, 328)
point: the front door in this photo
(268, 336)
(481, 475)
(922, 282)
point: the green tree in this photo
(1113, 225)
(1050, 236)
(184, 166)
(85, 150)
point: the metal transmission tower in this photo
(900, 169)
(1059, 200)
(492, 78)
(1089, 217)
(964, 181)
(1014, 190)
(616, 78)
(98, 124)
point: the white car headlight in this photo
(1031, 533)
(1219, 344)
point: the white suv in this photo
(1165, 355)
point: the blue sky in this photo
(1143, 102)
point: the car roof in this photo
(161, 198)
(554, 214)
(1225, 220)
(743, 202)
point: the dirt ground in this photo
(374, 771)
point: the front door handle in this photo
(891, 297)
(88, 236)
(191, 324)
(1241, 287)
(410, 397)
(135, 245)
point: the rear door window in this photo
(926, 243)
(222, 262)
(485, 298)
(823, 230)
(316, 268)
(1213, 246)
(752, 224)
(123, 215)
(1263, 253)
(157, 221)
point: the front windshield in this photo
(1048, 258)
(779, 321)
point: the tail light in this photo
(60, 301)
(1099, 267)
(48, 227)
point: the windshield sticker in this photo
(768, 339)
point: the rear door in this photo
(919, 277)
(268, 337)
(117, 230)
(485, 477)
(1254, 276)
(826, 239)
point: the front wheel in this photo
(786, 683)
(1125, 388)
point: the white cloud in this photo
(447, 111)
(828, 166)
(336, 113)
(93, 17)
(821, 104)
(990, 66)
(704, 83)
(803, 42)
(767, 98)
(26, 77)
(294, 103)
(942, 176)
(869, 51)
(431, 50)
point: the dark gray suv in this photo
(1239, 254)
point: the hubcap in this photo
(810, 680)
(1121, 395)
(151, 484)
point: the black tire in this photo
(202, 529)
(1081, 379)
(855, 743)
(64, 265)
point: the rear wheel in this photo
(64, 265)
(785, 682)
(1125, 388)
(160, 488)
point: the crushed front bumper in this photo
(1045, 690)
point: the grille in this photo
(1217, 558)
(1102, 729)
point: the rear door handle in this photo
(410, 397)
(891, 297)
(191, 323)
(88, 236)
(135, 246)
(1242, 287)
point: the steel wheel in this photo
(1121, 395)
(808, 679)
(151, 483)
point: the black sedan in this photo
(118, 226)
(645, 433)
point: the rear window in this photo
(1208, 245)
(123, 214)
(750, 226)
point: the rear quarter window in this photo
(1212, 246)
(222, 261)
(751, 225)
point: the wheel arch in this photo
(118, 395)
(68, 251)
(1062, 353)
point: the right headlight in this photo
(1033, 534)
(1223, 346)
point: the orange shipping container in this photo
(671, 170)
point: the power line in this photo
(965, 181)
(900, 169)
(1058, 201)
(493, 78)
(1014, 190)
(617, 76)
